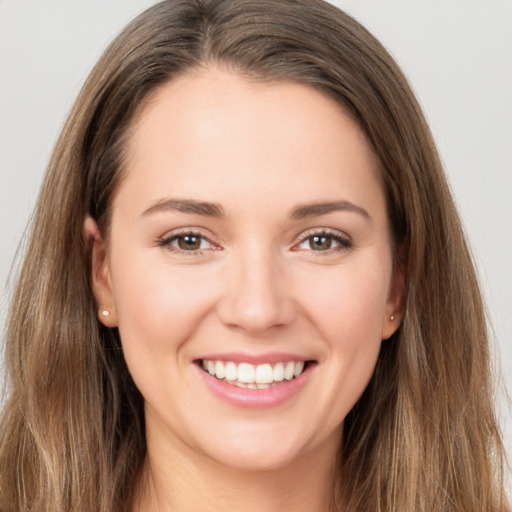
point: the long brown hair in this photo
(422, 437)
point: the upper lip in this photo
(241, 357)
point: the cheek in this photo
(158, 305)
(348, 304)
(348, 314)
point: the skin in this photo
(258, 285)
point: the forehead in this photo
(213, 132)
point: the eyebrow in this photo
(317, 209)
(186, 206)
(215, 210)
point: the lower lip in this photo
(256, 398)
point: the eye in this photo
(187, 242)
(323, 241)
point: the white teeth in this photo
(264, 374)
(220, 371)
(231, 371)
(298, 368)
(250, 376)
(246, 373)
(279, 372)
(289, 370)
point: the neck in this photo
(182, 480)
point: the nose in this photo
(257, 295)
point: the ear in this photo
(100, 274)
(395, 304)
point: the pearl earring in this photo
(392, 317)
(105, 313)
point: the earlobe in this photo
(390, 325)
(395, 305)
(100, 274)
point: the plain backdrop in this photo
(456, 53)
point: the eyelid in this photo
(344, 240)
(167, 239)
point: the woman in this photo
(253, 290)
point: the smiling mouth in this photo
(250, 376)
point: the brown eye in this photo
(324, 242)
(320, 242)
(189, 242)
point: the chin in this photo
(254, 460)
(257, 451)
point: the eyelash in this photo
(167, 242)
(344, 242)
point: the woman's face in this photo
(249, 237)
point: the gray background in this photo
(456, 53)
